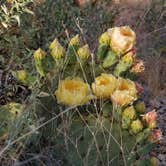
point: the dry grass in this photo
(155, 75)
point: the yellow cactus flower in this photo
(136, 126)
(129, 113)
(122, 98)
(104, 39)
(126, 84)
(75, 41)
(84, 52)
(39, 54)
(73, 92)
(104, 85)
(123, 39)
(125, 93)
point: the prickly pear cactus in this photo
(101, 118)
(8, 114)
(108, 124)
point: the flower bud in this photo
(125, 122)
(129, 113)
(104, 38)
(155, 136)
(136, 126)
(15, 108)
(138, 67)
(73, 46)
(75, 41)
(21, 75)
(84, 52)
(140, 107)
(57, 51)
(154, 161)
(150, 119)
(39, 54)
(129, 58)
(53, 44)
(124, 64)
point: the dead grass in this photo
(155, 75)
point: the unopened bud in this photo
(125, 122)
(84, 52)
(21, 75)
(53, 44)
(39, 54)
(154, 161)
(138, 67)
(140, 107)
(57, 51)
(104, 38)
(129, 58)
(150, 119)
(136, 126)
(75, 41)
(129, 113)
(155, 136)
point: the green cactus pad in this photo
(110, 59)
(102, 51)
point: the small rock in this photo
(84, 3)
(162, 157)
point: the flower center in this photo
(72, 86)
(104, 82)
(125, 32)
(123, 86)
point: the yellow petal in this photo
(122, 39)
(73, 92)
(104, 85)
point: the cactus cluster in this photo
(109, 124)
(121, 113)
